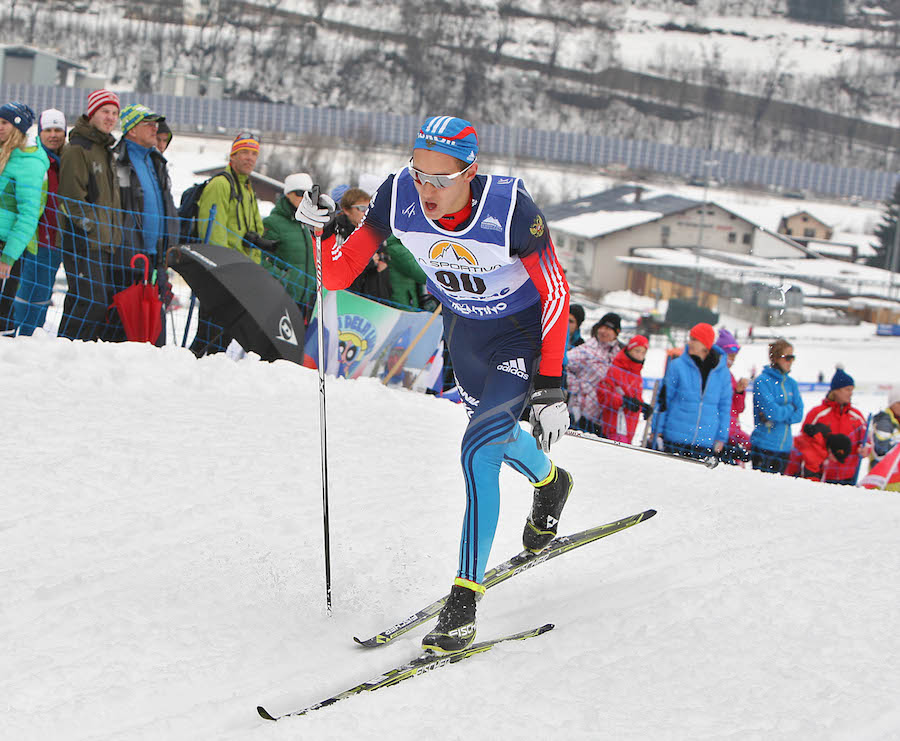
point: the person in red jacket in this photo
(833, 437)
(619, 392)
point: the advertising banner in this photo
(370, 338)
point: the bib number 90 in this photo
(454, 283)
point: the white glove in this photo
(315, 215)
(549, 416)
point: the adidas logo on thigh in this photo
(516, 367)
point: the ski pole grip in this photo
(314, 197)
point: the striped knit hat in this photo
(245, 140)
(449, 135)
(100, 98)
(136, 113)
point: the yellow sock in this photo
(550, 477)
(473, 585)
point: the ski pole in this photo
(710, 461)
(323, 454)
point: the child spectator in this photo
(586, 366)
(738, 448)
(620, 391)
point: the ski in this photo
(508, 569)
(418, 666)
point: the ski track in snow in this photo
(162, 538)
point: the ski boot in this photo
(455, 629)
(550, 497)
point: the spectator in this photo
(90, 203)
(738, 448)
(163, 136)
(886, 427)
(150, 219)
(295, 245)
(41, 261)
(776, 406)
(338, 191)
(407, 277)
(23, 171)
(621, 390)
(831, 441)
(585, 368)
(237, 224)
(576, 319)
(375, 280)
(695, 400)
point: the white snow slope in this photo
(162, 572)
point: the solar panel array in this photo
(226, 116)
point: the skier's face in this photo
(438, 202)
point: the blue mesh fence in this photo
(69, 289)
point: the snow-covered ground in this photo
(162, 568)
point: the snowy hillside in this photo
(162, 571)
(549, 66)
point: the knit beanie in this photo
(297, 181)
(52, 119)
(245, 140)
(611, 320)
(338, 191)
(18, 114)
(840, 379)
(704, 333)
(727, 342)
(637, 341)
(100, 98)
(577, 311)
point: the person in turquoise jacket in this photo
(23, 173)
(776, 406)
(694, 405)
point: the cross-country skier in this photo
(486, 251)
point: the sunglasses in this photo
(438, 181)
(788, 357)
(360, 207)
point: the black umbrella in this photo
(243, 298)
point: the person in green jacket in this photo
(407, 278)
(23, 174)
(295, 267)
(237, 224)
(237, 211)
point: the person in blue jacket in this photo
(776, 406)
(694, 405)
(23, 173)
